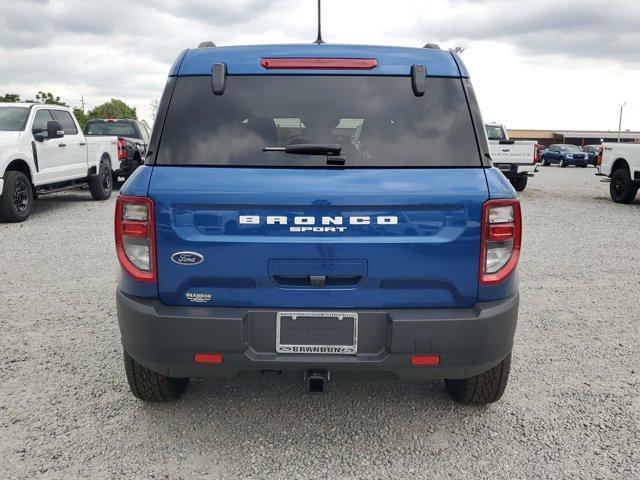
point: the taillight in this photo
(122, 149)
(501, 240)
(135, 237)
(599, 157)
(536, 153)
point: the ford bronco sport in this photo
(322, 209)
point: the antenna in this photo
(319, 40)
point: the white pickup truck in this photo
(43, 150)
(620, 162)
(516, 160)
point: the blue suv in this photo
(326, 210)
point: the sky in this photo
(546, 64)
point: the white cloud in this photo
(534, 63)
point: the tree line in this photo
(114, 108)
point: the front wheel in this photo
(16, 200)
(101, 184)
(150, 386)
(482, 389)
(519, 182)
(622, 188)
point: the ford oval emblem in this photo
(187, 258)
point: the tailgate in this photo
(318, 238)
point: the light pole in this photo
(620, 121)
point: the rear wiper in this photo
(328, 149)
(331, 150)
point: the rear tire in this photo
(150, 386)
(17, 197)
(101, 184)
(519, 182)
(622, 188)
(481, 389)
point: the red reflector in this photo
(320, 63)
(425, 360)
(499, 233)
(208, 358)
(134, 229)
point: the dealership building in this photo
(575, 137)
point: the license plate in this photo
(317, 332)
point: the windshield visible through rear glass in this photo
(377, 121)
(109, 129)
(13, 119)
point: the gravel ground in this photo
(571, 410)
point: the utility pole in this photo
(620, 121)
(82, 100)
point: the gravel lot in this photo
(571, 410)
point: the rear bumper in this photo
(165, 339)
(514, 169)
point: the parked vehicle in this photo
(43, 150)
(592, 152)
(564, 155)
(133, 139)
(516, 160)
(620, 163)
(328, 210)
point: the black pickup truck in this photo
(133, 139)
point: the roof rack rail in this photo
(433, 46)
(207, 44)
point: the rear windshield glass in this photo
(13, 119)
(495, 132)
(119, 129)
(377, 121)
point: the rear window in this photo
(495, 132)
(378, 121)
(111, 129)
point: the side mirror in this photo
(54, 129)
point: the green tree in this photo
(80, 115)
(114, 108)
(10, 98)
(49, 99)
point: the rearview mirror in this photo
(54, 129)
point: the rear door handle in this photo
(62, 144)
(82, 144)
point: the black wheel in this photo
(519, 182)
(101, 185)
(150, 386)
(481, 389)
(622, 188)
(16, 200)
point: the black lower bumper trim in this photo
(468, 340)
